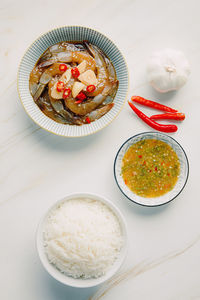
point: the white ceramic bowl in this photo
(182, 179)
(70, 281)
(71, 33)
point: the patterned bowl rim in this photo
(143, 134)
(18, 76)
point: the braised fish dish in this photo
(73, 83)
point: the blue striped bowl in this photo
(71, 33)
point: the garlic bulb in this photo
(168, 70)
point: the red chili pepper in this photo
(152, 104)
(66, 93)
(170, 116)
(60, 86)
(81, 96)
(63, 67)
(75, 72)
(153, 124)
(87, 119)
(91, 88)
(78, 101)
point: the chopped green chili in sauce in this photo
(150, 168)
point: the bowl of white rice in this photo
(82, 240)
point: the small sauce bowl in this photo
(182, 178)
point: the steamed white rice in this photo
(83, 238)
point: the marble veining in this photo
(139, 269)
(38, 168)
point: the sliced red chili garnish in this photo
(75, 72)
(91, 88)
(78, 101)
(140, 156)
(66, 93)
(63, 67)
(60, 86)
(87, 119)
(81, 96)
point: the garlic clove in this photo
(77, 88)
(82, 66)
(88, 78)
(55, 94)
(66, 76)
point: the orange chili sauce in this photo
(150, 168)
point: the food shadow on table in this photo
(162, 97)
(59, 143)
(56, 290)
(140, 209)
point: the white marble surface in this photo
(38, 168)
